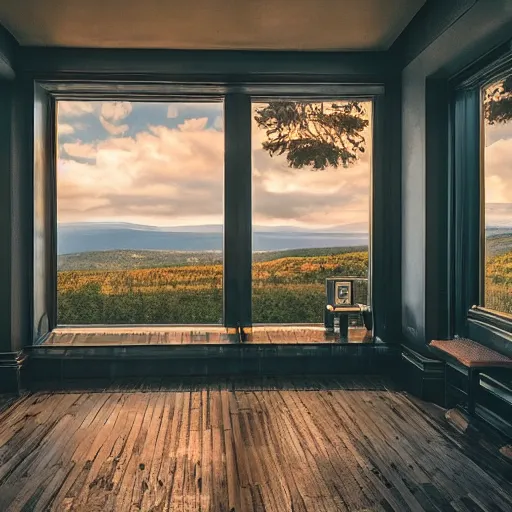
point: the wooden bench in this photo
(474, 357)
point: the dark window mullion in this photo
(237, 211)
(467, 229)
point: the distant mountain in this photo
(497, 230)
(86, 237)
(359, 227)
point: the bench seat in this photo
(475, 357)
(471, 354)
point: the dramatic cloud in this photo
(111, 113)
(174, 176)
(79, 150)
(193, 125)
(302, 197)
(112, 128)
(162, 177)
(115, 110)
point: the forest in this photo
(288, 286)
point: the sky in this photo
(161, 164)
(498, 174)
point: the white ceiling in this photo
(209, 24)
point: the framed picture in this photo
(343, 293)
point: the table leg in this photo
(343, 328)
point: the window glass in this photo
(311, 207)
(498, 195)
(140, 212)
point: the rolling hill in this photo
(498, 244)
(133, 260)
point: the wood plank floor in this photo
(268, 445)
(75, 336)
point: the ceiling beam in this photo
(204, 65)
(8, 46)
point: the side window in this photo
(497, 194)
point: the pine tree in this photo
(314, 134)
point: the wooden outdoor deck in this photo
(267, 445)
(70, 336)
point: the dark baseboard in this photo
(99, 363)
(422, 376)
(10, 371)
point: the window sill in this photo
(492, 318)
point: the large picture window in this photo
(497, 195)
(189, 218)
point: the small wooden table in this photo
(343, 312)
(474, 357)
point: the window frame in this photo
(471, 318)
(237, 289)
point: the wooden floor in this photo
(197, 335)
(317, 446)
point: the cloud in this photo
(302, 197)
(162, 176)
(79, 150)
(172, 176)
(498, 177)
(115, 110)
(193, 125)
(172, 111)
(498, 171)
(75, 108)
(111, 113)
(65, 129)
(112, 128)
(496, 132)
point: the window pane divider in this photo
(237, 211)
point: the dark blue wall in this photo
(471, 29)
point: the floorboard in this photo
(324, 444)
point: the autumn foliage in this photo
(290, 289)
(284, 290)
(498, 283)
